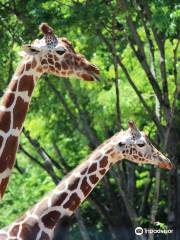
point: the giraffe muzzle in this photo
(166, 164)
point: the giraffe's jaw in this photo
(164, 162)
(89, 73)
(166, 165)
(91, 77)
(86, 76)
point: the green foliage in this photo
(24, 190)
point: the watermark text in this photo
(140, 231)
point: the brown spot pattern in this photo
(94, 179)
(14, 230)
(73, 202)
(134, 151)
(83, 171)
(3, 185)
(56, 58)
(73, 184)
(30, 232)
(39, 69)
(8, 100)
(85, 187)
(58, 65)
(102, 172)
(5, 121)
(70, 72)
(68, 44)
(92, 168)
(50, 60)
(13, 85)
(28, 66)
(50, 219)
(19, 111)
(51, 68)
(34, 232)
(64, 65)
(68, 56)
(26, 84)
(59, 199)
(25, 232)
(44, 62)
(104, 162)
(44, 236)
(110, 150)
(8, 154)
(1, 140)
(50, 56)
(92, 68)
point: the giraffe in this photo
(47, 55)
(39, 222)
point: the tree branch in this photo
(116, 80)
(155, 202)
(82, 129)
(147, 108)
(47, 168)
(176, 93)
(83, 117)
(140, 54)
(160, 40)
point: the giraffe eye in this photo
(141, 144)
(60, 51)
(121, 144)
(34, 51)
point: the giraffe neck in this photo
(40, 221)
(13, 108)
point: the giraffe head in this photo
(57, 56)
(135, 146)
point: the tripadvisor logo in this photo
(140, 231)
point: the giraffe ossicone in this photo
(40, 221)
(47, 55)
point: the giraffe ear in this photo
(132, 125)
(30, 50)
(133, 129)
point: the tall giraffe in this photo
(47, 55)
(39, 222)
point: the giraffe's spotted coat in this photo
(42, 56)
(50, 219)
(39, 222)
